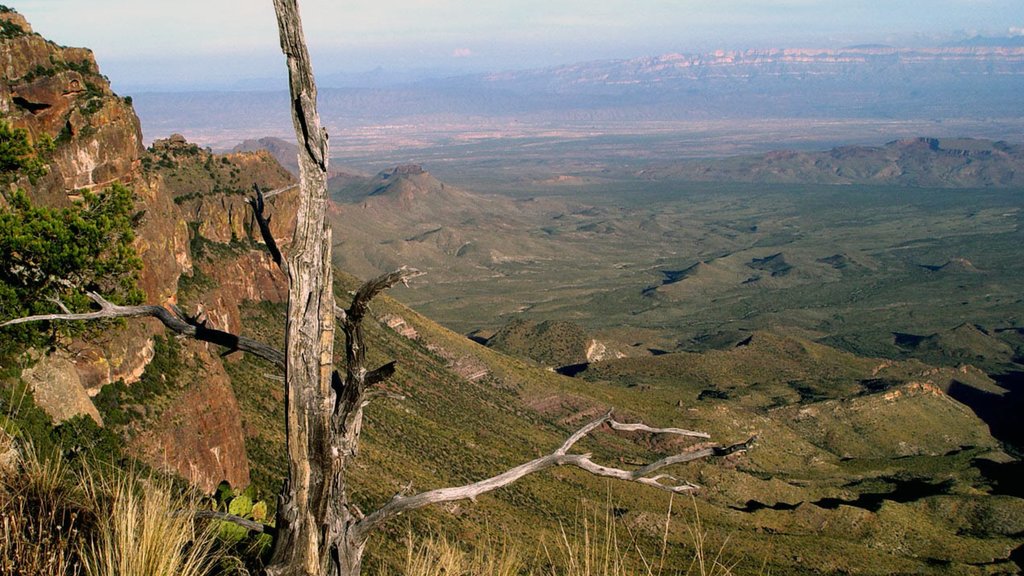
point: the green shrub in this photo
(63, 253)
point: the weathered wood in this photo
(310, 515)
(400, 504)
(258, 204)
(173, 319)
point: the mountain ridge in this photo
(824, 490)
(879, 83)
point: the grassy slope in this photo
(818, 449)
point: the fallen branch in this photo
(400, 504)
(175, 320)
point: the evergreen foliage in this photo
(19, 156)
(63, 253)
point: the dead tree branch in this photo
(368, 291)
(400, 504)
(258, 204)
(276, 191)
(351, 390)
(175, 320)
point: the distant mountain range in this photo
(976, 81)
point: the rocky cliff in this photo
(194, 233)
(58, 92)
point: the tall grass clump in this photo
(142, 530)
(42, 518)
(54, 522)
(436, 555)
(595, 544)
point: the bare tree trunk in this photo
(307, 519)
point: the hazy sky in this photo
(204, 43)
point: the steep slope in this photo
(834, 475)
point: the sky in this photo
(218, 44)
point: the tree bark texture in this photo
(308, 525)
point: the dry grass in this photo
(596, 545)
(41, 518)
(54, 523)
(707, 560)
(439, 556)
(142, 531)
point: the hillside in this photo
(404, 214)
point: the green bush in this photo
(63, 253)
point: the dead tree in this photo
(318, 532)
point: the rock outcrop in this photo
(57, 92)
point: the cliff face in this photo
(58, 92)
(199, 436)
(192, 222)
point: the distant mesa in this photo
(955, 265)
(913, 162)
(402, 170)
(404, 183)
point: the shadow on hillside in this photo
(904, 491)
(1001, 413)
(1006, 478)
